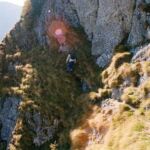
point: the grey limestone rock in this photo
(112, 24)
(8, 116)
(142, 53)
(106, 23)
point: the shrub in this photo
(121, 48)
(138, 127)
(146, 87)
(132, 96)
(124, 107)
(113, 76)
(100, 95)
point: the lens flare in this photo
(62, 33)
(58, 32)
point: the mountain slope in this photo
(43, 107)
(9, 15)
(120, 117)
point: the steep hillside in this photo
(9, 15)
(120, 116)
(52, 100)
(97, 107)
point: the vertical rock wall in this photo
(105, 22)
(8, 117)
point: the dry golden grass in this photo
(112, 77)
(100, 95)
(79, 138)
(132, 96)
(42, 89)
(130, 134)
(93, 127)
(129, 128)
(146, 68)
(45, 86)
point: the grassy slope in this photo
(46, 87)
(128, 127)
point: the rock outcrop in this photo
(8, 117)
(112, 26)
(142, 53)
(106, 23)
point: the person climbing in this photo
(70, 61)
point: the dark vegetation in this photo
(40, 78)
(145, 7)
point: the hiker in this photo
(70, 61)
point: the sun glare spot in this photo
(58, 32)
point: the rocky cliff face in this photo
(41, 113)
(106, 23)
(8, 116)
